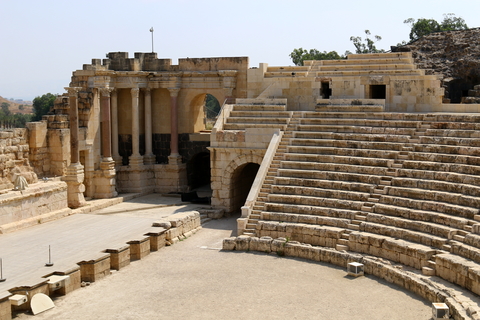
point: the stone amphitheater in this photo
(363, 160)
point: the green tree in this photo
(368, 46)
(300, 55)
(5, 108)
(42, 105)
(212, 106)
(21, 107)
(423, 27)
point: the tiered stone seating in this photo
(257, 115)
(404, 187)
(355, 65)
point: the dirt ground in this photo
(194, 279)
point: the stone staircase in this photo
(247, 113)
(404, 187)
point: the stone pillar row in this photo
(110, 102)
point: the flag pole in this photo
(151, 30)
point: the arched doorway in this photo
(198, 170)
(212, 108)
(242, 181)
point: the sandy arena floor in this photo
(194, 279)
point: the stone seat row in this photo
(436, 120)
(317, 63)
(261, 114)
(309, 138)
(361, 66)
(395, 184)
(347, 111)
(453, 204)
(259, 107)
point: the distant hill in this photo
(15, 106)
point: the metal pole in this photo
(2, 279)
(50, 263)
(151, 30)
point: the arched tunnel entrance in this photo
(242, 181)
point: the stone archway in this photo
(227, 195)
(203, 111)
(242, 181)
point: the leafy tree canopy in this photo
(42, 105)
(367, 46)
(300, 55)
(422, 27)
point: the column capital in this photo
(173, 91)
(105, 92)
(73, 91)
(135, 92)
(147, 91)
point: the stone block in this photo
(96, 268)
(229, 243)
(119, 257)
(72, 283)
(30, 290)
(157, 239)
(139, 248)
(5, 307)
(242, 243)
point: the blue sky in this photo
(42, 42)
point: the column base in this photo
(118, 160)
(135, 161)
(105, 180)
(75, 187)
(149, 159)
(174, 159)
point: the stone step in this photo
(426, 271)
(446, 247)
(255, 216)
(468, 228)
(343, 242)
(403, 157)
(353, 226)
(375, 200)
(356, 222)
(360, 218)
(379, 191)
(409, 149)
(345, 236)
(393, 173)
(431, 264)
(397, 165)
(459, 238)
(414, 140)
(385, 183)
(251, 226)
(341, 247)
(462, 233)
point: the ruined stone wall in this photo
(14, 158)
(454, 54)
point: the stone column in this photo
(105, 178)
(149, 157)
(75, 173)
(135, 159)
(174, 156)
(114, 122)
(105, 122)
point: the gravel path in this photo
(193, 279)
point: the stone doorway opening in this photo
(242, 181)
(198, 171)
(325, 90)
(378, 91)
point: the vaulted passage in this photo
(241, 183)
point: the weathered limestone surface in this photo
(39, 203)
